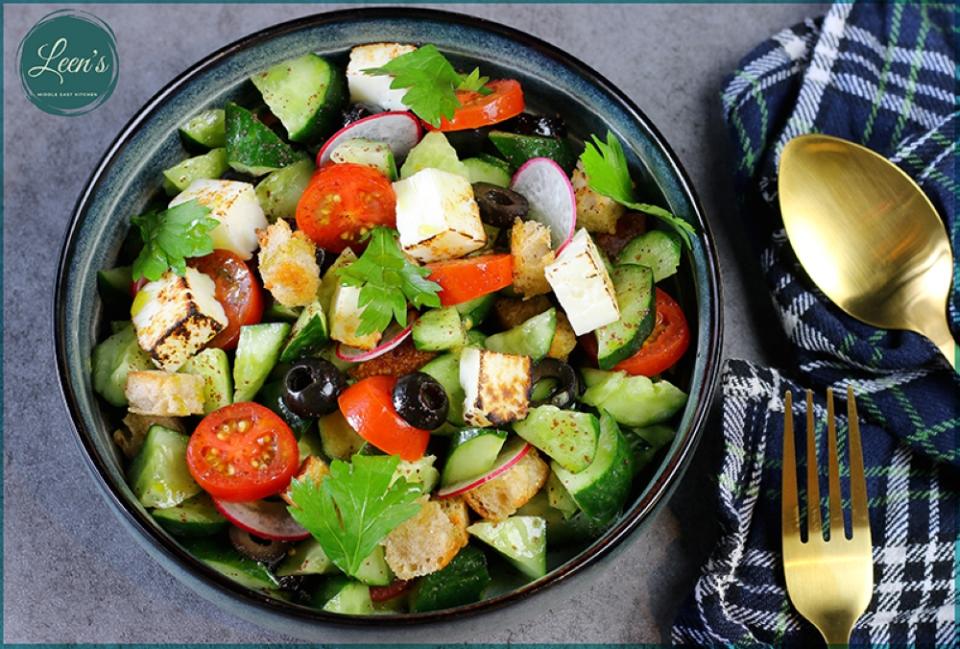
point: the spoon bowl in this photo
(868, 236)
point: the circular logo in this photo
(68, 63)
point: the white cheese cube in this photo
(153, 392)
(374, 90)
(176, 316)
(345, 315)
(437, 216)
(235, 205)
(582, 285)
(496, 386)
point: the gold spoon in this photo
(868, 236)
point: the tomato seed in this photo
(243, 425)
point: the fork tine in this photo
(813, 480)
(789, 503)
(833, 472)
(859, 517)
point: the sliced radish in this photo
(552, 202)
(513, 452)
(392, 337)
(264, 518)
(398, 130)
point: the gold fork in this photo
(830, 582)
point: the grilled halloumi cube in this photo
(595, 212)
(235, 205)
(530, 247)
(582, 285)
(155, 392)
(288, 265)
(496, 386)
(374, 90)
(345, 314)
(437, 216)
(176, 316)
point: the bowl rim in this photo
(657, 493)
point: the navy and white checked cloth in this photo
(883, 75)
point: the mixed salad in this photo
(386, 339)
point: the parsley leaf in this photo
(171, 236)
(387, 280)
(431, 82)
(605, 165)
(354, 507)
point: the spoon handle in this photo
(939, 332)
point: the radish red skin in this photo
(465, 486)
(406, 125)
(560, 218)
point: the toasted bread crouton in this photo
(595, 212)
(155, 392)
(402, 359)
(504, 495)
(131, 438)
(530, 247)
(427, 542)
(456, 510)
(312, 468)
(288, 264)
(511, 311)
(564, 340)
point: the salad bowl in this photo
(125, 178)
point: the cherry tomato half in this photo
(462, 280)
(664, 346)
(242, 452)
(237, 290)
(477, 110)
(343, 202)
(367, 406)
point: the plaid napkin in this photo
(882, 75)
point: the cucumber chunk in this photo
(276, 311)
(252, 148)
(632, 400)
(224, 559)
(567, 436)
(521, 539)
(647, 441)
(601, 489)
(446, 370)
(461, 582)
(257, 353)
(308, 334)
(474, 312)
(559, 498)
(531, 338)
(194, 517)
(305, 93)
(433, 152)
(206, 129)
(659, 250)
(271, 396)
(421, 472)
(622, 339)
(368, 153)
(342, 595)
(158, 475)
(306, 558)
(473, 452)
(114, 285)
(482, 171)
(374, 570)
(439, 330)
(517, 149)
(280, 191)
(113, 359)
(212, 164)
(338, 439)
(214, 367)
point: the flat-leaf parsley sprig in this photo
(431, 82)
(387, 280)
(171, 236)
(605, 165)
(354, 507)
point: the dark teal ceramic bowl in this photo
(128, 174)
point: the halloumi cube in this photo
(155, 392)
(582, 285)
(437, 216)
(176, 316)
(235, 205)
(345, 315)
(374, 90)
(496, 386)
(595, 212)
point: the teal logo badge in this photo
(68, 63)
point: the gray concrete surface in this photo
(72, 574)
